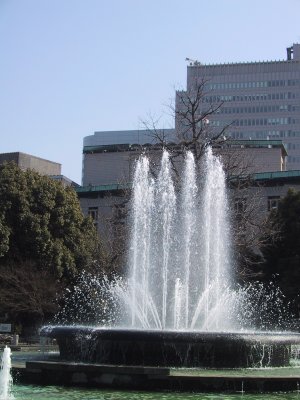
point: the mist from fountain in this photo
(5, 376)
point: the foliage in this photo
(41, 221)
(45, 243)
(283, 255)
(28, 295)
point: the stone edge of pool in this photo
(153, 378)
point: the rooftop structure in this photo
(27, 161)
(44, 167)
(107, 139)
(64, 180)
(108, 155)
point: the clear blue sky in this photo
(72, 67)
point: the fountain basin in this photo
(114, 346)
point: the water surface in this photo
(30, 392)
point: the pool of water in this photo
(30, 392)
(34, 392)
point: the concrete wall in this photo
(117, 167)
(106, 168)
(102, 138)
(27, 161)
(252, 160)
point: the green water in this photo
(30, 392)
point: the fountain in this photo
(178, 306)
(5, 375)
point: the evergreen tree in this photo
(283, 256)
(43, 237)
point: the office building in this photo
(259, 99)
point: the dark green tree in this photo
(283, 255)
(42, 231)
(41, 221)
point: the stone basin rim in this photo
(57, 331)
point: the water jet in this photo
(5, 375)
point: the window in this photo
(93, 213)
(240, 205)
(273, 202)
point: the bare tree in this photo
(28, 294)
(196, 129)
(194, 125)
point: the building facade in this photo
(261, 100)
(104, 203)
(108, 168)
(106, 162)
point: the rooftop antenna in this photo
(193, 62)
(290, 53)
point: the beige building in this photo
(252, 156)
(27, 161)
(44, 167)
(114, 164)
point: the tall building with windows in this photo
(261, 100)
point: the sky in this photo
(69, 68)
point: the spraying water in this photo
(215, 241)
(141, 240)
(189, 229)
(179, 254)
(179, 275)
(5, 376)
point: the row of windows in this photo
(264, 134)
(250, 85)
(262, 121)
(269, 108)
(253, 97)
(293, 159)
(255, 122)
(292, 134)
(293, 146)
(240, 204)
